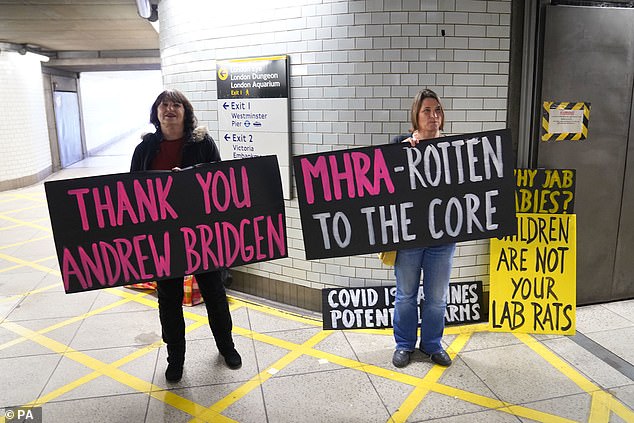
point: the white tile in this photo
(516, 373)
(619, 341)
(598, 318)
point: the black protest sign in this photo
(373, 307)
(545, 191)
(394, 196)
(119, 229)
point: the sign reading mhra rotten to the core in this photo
(119, 229)
(395, 196)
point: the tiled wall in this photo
(354, 67)
(26, 154)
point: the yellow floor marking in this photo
(603, 403)
(599, 402)
(559, 364)
(17, 244)
(72, 320)
(29, 264)
(91, 376)
(279, 313)
(154, 303)
(24, 223)
(35, 291)
(457, 330)
(422, 389)
(600, 408)
(31, 197)
(94, 375)
(265, 375)
(37, 206)
(496, 404)
(408, 379)
(118, 375)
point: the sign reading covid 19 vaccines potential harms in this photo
(253, 111)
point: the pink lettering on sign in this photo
(149, 201)
(221, 190)
(220, 245)
(360, 174)
(105, 263)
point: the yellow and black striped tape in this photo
(560, 136)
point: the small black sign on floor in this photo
(373, 307)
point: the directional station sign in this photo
(254, 109)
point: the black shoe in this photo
(441, 357)
(174, 372)
(233, 359)
(401, 358)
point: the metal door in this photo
(589, 57)
(71, 149)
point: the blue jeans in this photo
(435, 263)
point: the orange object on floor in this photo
(191, 291)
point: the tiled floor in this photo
(97, 356)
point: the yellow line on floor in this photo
(41, 197)
(120, 376)
(559, 364)
(35, 291)
(457, 330)
(599, 397)
(154, 304)
(94, 375)
(422, 389)
(603, 403)
(71, 321)
(496, 404)
(268, 373)
(37, 206)
(422, 383)
(17, 244)
(29, 264)
(279, 313)
(600, 408)
(25, 223)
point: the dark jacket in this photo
(200, 148)
(399, 138)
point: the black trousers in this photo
(170, 300)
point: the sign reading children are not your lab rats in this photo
(119, 229)
(533, 273)
(395, 196)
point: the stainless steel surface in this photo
(624, 265)
(68, 127)
(589, 56)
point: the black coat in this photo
(200, 148)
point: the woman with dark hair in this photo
(428, 118)
(178, 143)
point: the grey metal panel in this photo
(589, 56)
(623, 286)
(68, 127)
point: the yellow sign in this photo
(223, 73)
(533, 276)
(565, 121)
